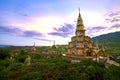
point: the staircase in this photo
(113, 62)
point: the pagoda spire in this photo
(79, 13)
(103, 47)
(80, 26)
(54, 42)
(34, 44)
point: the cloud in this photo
(115, 26)
(108, 19)
(114, 13)
(93, 31)
(23, 33)
(65, 28)
(59, 34)
(96, 29)
(115, 20)
(8, 30)
(32, 34)
(113, 17)
(22, 14)
(65, 31)
(43, 39)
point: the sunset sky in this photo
(25, 22)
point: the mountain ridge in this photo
(111, 41)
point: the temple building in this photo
(80, 44)
(33, 51)
(33, 48)
(53, 48)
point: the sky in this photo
(25, 22)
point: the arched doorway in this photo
(88, 53)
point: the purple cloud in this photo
(65, 28)
(92, 30)
(43, 39)
(115, 20)
(60, 34)
(32, 34)
(23, 33)
(115, 26)
(113, 17)
(17, 31)
(9, 30)
(65, 31)
(114, 14)
(108, 19)
(96, 29)
(21, 13)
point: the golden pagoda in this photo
(80, 44)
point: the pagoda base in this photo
(76, 57)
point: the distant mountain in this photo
(4, 45)
(111, 41)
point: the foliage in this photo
(21, 56)
(47, 49)
(111, 42)
(54, 67)
(4, 53)
(47, 68)
(4, 68)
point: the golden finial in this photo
(79, 10)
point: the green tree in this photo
(21, 56)
(4, 53)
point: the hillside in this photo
(111, 42)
